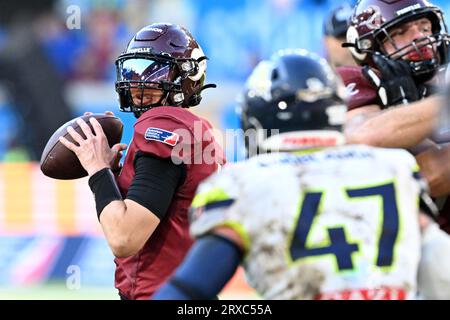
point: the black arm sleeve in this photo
(208, 266)
(155, 183)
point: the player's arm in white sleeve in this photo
(434, 267)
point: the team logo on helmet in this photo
(315, 90)
(375, 19)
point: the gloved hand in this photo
(394, 82)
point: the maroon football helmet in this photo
(162, 57)
(372, 20)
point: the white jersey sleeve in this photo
(336, 224)
(434, 275)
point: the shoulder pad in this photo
(360, 92)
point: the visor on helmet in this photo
(143, 71)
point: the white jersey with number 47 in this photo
(339, 223)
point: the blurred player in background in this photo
(316, 220)
(433, 276)
(143, 212)
(30, 78)
(402, 48)
(334, 35)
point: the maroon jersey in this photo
(166, 132)
(361, 92)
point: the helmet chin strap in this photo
(207, 86)
(164, 99)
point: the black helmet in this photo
(292, 101)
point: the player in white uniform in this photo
(320, 221)
(332, 223)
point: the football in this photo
(58, 162)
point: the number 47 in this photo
(339, 246)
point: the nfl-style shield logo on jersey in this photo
(164, 136)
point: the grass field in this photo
(57, 292)
(61, 292)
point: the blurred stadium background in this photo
(51, 243)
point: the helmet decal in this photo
(408, 9)
(259, 81)
(375, 20)
(315, 90)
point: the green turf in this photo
(57, 292)
(61, 292)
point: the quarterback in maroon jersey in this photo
(143, 209)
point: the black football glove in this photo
(396, 84)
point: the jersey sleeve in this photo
(164, 137)
(360, 92)
(216, 204)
